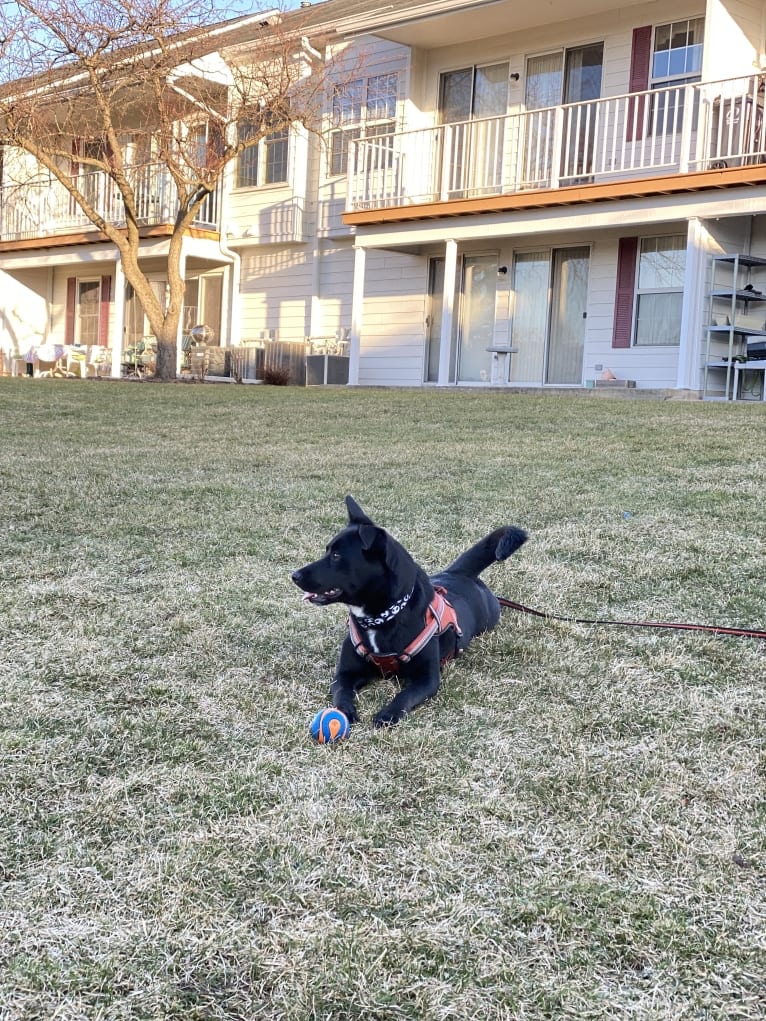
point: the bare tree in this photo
(93, 93)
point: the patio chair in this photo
(99, 360)
(77, 358)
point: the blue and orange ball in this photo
(330, 726)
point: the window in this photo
(204, 145)
(247, 161)
(363, 108)
(676, 61)
(88, 311)
(677, 55)
(659, 290)
(265, 160)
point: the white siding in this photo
(275, 213)
(276, 284)
(336, 278)
(393, 328)
(24, 310)
(735, 34)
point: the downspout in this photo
(233, 318)
(49, 318)
(315, 312)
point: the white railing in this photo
(45, 208)
(663, 131)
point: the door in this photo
(473, 102)
(88, 312)
(582, 84)
(553, 79)
(550, 299)
(566, 335)
(476, 326)
(473, 322)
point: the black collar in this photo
(368, 623)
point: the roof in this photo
(319, 22)
(358, 17)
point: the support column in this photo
(448, 311)
(357, 303)
(118, 320)
(315, 310)
(689, 350)
(180, 333)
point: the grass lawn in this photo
(574, 827)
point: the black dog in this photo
(401, 621)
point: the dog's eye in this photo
(335, 555)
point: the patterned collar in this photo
(368, 623)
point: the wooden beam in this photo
(96, 237)
(645, 187)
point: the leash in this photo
(737, 632)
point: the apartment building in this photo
(503, 194)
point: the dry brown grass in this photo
(573, 828)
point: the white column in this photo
(448, 311)
(180, 332)
(692, 313)
(357, 303)
(118, 320)
(315, 311)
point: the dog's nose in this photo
(296, 576)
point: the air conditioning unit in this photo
(736, 139)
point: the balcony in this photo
(46, 209)
(660, 133)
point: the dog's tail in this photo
(496, 546)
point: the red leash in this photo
(737, 632)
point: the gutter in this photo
(378, 21)
(234, 320)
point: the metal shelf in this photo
(727, 343)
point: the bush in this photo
(276, 376)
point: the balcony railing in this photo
(46, 209)
(663, 131)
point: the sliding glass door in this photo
(473, 101)
(553, 79)
(473, 322)
(550, 289)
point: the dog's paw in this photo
(349, 711)
(388, 717)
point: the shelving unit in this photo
(736, 320)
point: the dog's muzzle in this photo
(318, 598)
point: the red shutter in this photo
(627, 255)
(640, 57)
(69, 313)
(103, 310)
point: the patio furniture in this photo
(49, 361)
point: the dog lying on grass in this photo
(401, 621)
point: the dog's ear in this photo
(368, 530)
(356, 515)
(384, 546)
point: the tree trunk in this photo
(166, 359)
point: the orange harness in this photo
(440, 616)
